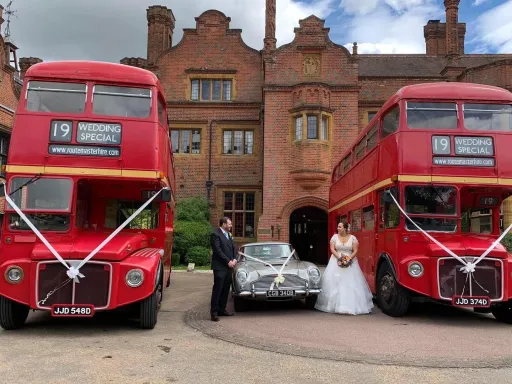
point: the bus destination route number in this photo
(471, 301)
(61, 131)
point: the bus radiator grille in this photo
(488, 276)
(93, 289)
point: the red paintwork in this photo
(409, 152)
(145, 146)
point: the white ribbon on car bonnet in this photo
(74, 272)
(468, 266)
(279, 278)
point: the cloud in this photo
(476, 3)
(493, 29)
(396, 25)
(110, 30)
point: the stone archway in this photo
(308, 234)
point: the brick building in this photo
(257, 132)
(10, 87)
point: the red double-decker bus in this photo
(88, 222)
(422, 188)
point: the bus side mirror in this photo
(165, 195)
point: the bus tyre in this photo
(12, 314)
(503, 312)
(239, 304)
(392, 298)
(150, 306)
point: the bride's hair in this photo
(345, 225)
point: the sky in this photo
(108, 30)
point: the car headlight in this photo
(415, 269)
(14, 274)
(134, 277)
(314, 274)
(241, 276)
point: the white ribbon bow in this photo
(469, 267)
(74, 272)
(279, 279)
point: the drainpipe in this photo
(209, 182)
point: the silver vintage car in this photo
(256, 275)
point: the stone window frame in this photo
(189, 127)
(367, 115)
(222, 190)
(210, 76)
(320, 133)
(244, 127)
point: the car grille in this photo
(487, 279)
(93, 289)
(290, 282)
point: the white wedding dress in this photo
(344, 290)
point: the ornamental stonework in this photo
(311, 65)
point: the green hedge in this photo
(507, 242)
(198, 255)
(192, 231)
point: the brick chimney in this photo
(446, 38)
(270, 40)
(26, 63)
(354, 48)
(452, 33)
(161, 24)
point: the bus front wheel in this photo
(503, 312)
(150, 306)
(12, 314)
(392, 298)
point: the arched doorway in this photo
(308, 234)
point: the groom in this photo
(223, 261)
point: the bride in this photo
(344, 290)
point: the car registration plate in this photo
(281, 293)
(72, 310)
(471, 301)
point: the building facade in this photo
(258, 132)
(10, 87)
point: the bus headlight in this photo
(241, 276)
(134, 277)
(14, 274)
(415, 269)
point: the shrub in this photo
(175, 259)
(198, 255)
(507, 242)
(188, 234)
(192, 209)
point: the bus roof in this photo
(435, 91)
(93, 70)
(453, 90)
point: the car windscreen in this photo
(268, 251)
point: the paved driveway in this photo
(110, 350)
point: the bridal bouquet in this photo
(345, 261)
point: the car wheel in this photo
(392, 298)
(240, 304)
(311, 302)
(12, 314)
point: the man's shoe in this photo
(226, 313)
(214, 316)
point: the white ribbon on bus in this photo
(468, 266)
(279, 278)
(74, 272)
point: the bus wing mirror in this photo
(166, 195)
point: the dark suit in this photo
(223, 252)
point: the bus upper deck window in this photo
(49, 96)
(431, 115)
(488, 117)
(110, 100)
